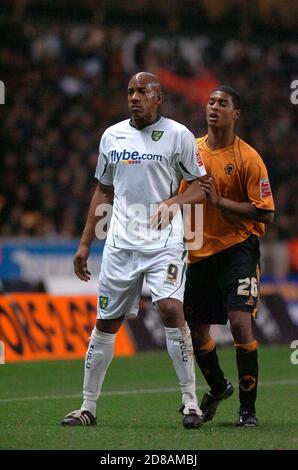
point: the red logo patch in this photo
(199, 158)
(265, 190)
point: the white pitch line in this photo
(137, 392)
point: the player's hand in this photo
(80, 263)
(163, 215)
(208, 186)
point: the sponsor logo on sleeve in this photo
(265, 190)
(198, 157)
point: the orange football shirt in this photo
(240, 175)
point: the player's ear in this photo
(236, 114)
(159, 98)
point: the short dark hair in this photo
(236, 98)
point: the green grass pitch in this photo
(138, 407)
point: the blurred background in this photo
(65, 66)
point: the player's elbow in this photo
(264, 216)
(269, 218)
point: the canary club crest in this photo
(103, 302)
(156, 135)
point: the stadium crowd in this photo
(65, 83)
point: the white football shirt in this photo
(146, 167)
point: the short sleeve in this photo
(257, 183)
(104, 171)
(189, 161)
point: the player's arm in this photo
(192, 170)
(194, 194)
(165, 212)
(243, 209)
(103, 194)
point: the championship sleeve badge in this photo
(198, 157)
(265, 189)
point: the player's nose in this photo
(135, 97)
(214, 106)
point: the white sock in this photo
(180, 349)
(98, 358)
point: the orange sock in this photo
(246, 347)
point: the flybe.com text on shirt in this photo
(126, 156)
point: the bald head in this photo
(146, 79)
(144, 98)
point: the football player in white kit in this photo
(141, 162)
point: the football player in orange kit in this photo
(223, 276)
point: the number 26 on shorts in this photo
(248, 286)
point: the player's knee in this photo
(237, 330)
(200, 335)
(171, 312)
(109, 326)
(241, 327)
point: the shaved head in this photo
(146, 79)
(144, 98)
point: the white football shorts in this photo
(123, 272)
